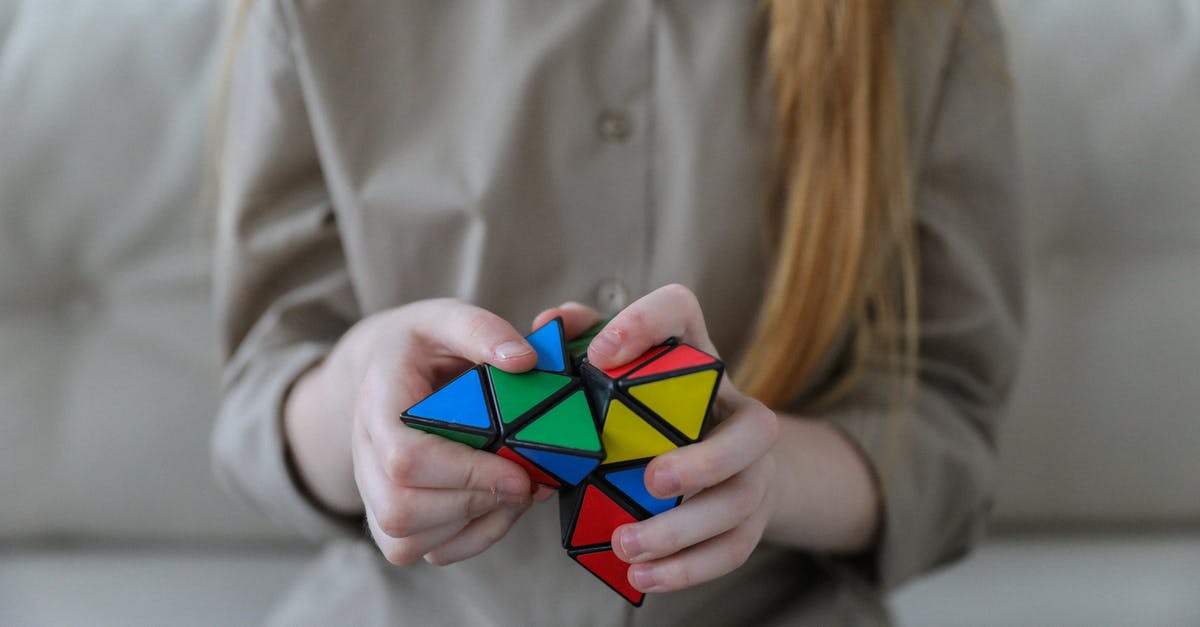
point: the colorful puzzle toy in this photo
(588, 431)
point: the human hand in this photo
(728, 475)
(424, 495)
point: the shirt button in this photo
(611, 296)
(614, 126)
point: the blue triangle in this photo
(547, 342)
(633, 483)
(569, 468)
(458, 402)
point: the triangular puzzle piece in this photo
(459, 402)
(568, 424)
(609, 568)
(516, 394)
(570, 468)
(632, 483)
(627, 436)
(597, 518)
(547, 342)
(681, 401)
(537, 475)
(680, 357)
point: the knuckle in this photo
(438, 558)
(402, 465)
(366, 389)
(471, 476)
(737, 551)
(746, 503)
(679, 290)
(401, 553)
(684, 295)
(678, 576)
(626, 324)
(707, 460)
(476, 503)
(663, 541)
(436, 306)
(481, 323)
(476, 541)
(492, 534)
(412, 386)
(506, 522)
(394, 521)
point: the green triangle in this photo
(470, 439)
(568, 424)
(518, 393)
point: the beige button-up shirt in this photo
(518, 154)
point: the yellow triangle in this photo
(626, 436)
(681, 401)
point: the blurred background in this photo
(108, 370)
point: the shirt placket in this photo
(622, 129)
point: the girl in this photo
(821, 187)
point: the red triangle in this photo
(537, 475)
(612, 571)
(680, 357)
(619, 371)
(598, 517)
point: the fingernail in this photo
(643, 578)
(605, 344)
(666, 480)
(631, 545)
(512, 350)
(512, 490)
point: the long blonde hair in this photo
(844, 269)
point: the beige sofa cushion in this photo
(109, 367)
(119, 587)
(1105, 426)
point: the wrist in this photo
(317, 435)
(824, 494)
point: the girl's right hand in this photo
(423, 495)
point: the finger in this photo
(703, 562)
(387, 389)
(476, 537)
(402, 511)
(742, 438)
(576, 317)
(473, 333)
(413, 458)
(406, 551)
(707, 515)
(670, 311)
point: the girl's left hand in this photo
(726, 478)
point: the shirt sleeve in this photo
(282, 291)
(936, 466)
